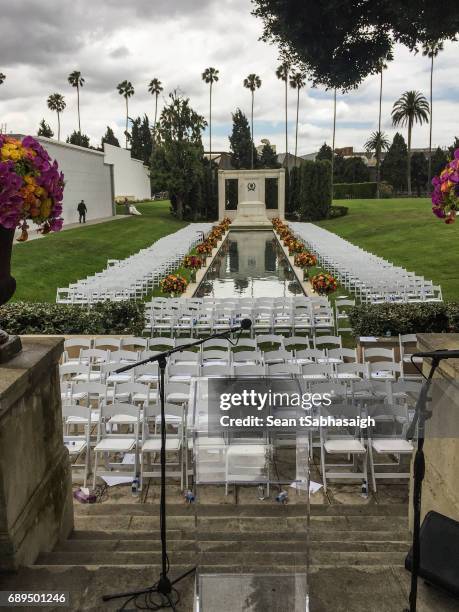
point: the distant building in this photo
(131, 177)
(87, 177)
(265, 142)
(289, 161)
(222, 159)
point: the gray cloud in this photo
(42, 41)
(119, 52)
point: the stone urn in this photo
(9, 345)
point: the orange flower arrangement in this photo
(324, 283)
(205, 248)
(173, 283)
(305, 260)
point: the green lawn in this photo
(40, 266)
(405, 232)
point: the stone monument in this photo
(251, 209)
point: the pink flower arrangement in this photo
(31, 186)
(445, 195)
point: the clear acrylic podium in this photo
(252, 549)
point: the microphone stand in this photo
(164, 586)
(419, 419)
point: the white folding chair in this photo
(78, 444)
(151, 442)
(112, 440)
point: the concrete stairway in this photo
(232, 539)
(356, 552)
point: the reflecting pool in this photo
(250, 264)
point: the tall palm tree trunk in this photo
(210, 131)
(58, 126)
(210, 153)
(286, 117)
(297, 115)
(253, 144)
(410, 127)
(429, 174)
(333, 144)
(378, 153)
(78, 106)
(127, 122)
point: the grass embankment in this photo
(405, 232)
(41, 266)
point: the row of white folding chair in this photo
(341, 257)
(351, 403)
(135, 274)
(112, 439)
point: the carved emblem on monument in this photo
(251, 186)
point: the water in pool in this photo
(250, 264)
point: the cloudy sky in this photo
(41, 42)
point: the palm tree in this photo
(252, 82)
(155, 88)
(57, 103)
(297, 81)
(76, 80)
(282, 73)
(333, 142)
(431, 50)
(2, 78)
(210, 76)
(382, 67)
(126, 89)
(377, 142)
(412, 107)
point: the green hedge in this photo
(380, 319)
(309, 197)
(350, 191)
(338, 211)
(100, 319)
(365, 191)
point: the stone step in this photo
(231, 545)
(243, 524)
(261, 509)
(316, 535)
(232, 561)
(341, 589)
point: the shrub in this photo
(385, 190)
(338, 211)
(116, 318)
(379, 319)
(452, 309)
(350, 191)
(311, 190)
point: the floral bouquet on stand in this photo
(193, 263)
(225, 223)
(305, 260)
(173, 284)
(31, 189)
(31, 186)
(294, 246)
(204, 248)
(445, 195)
(277, 223)
(324, 283)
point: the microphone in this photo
(244, 325)
(440, 354)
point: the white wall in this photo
(130, 175)
(87, 177)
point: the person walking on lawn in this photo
(82, 210)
